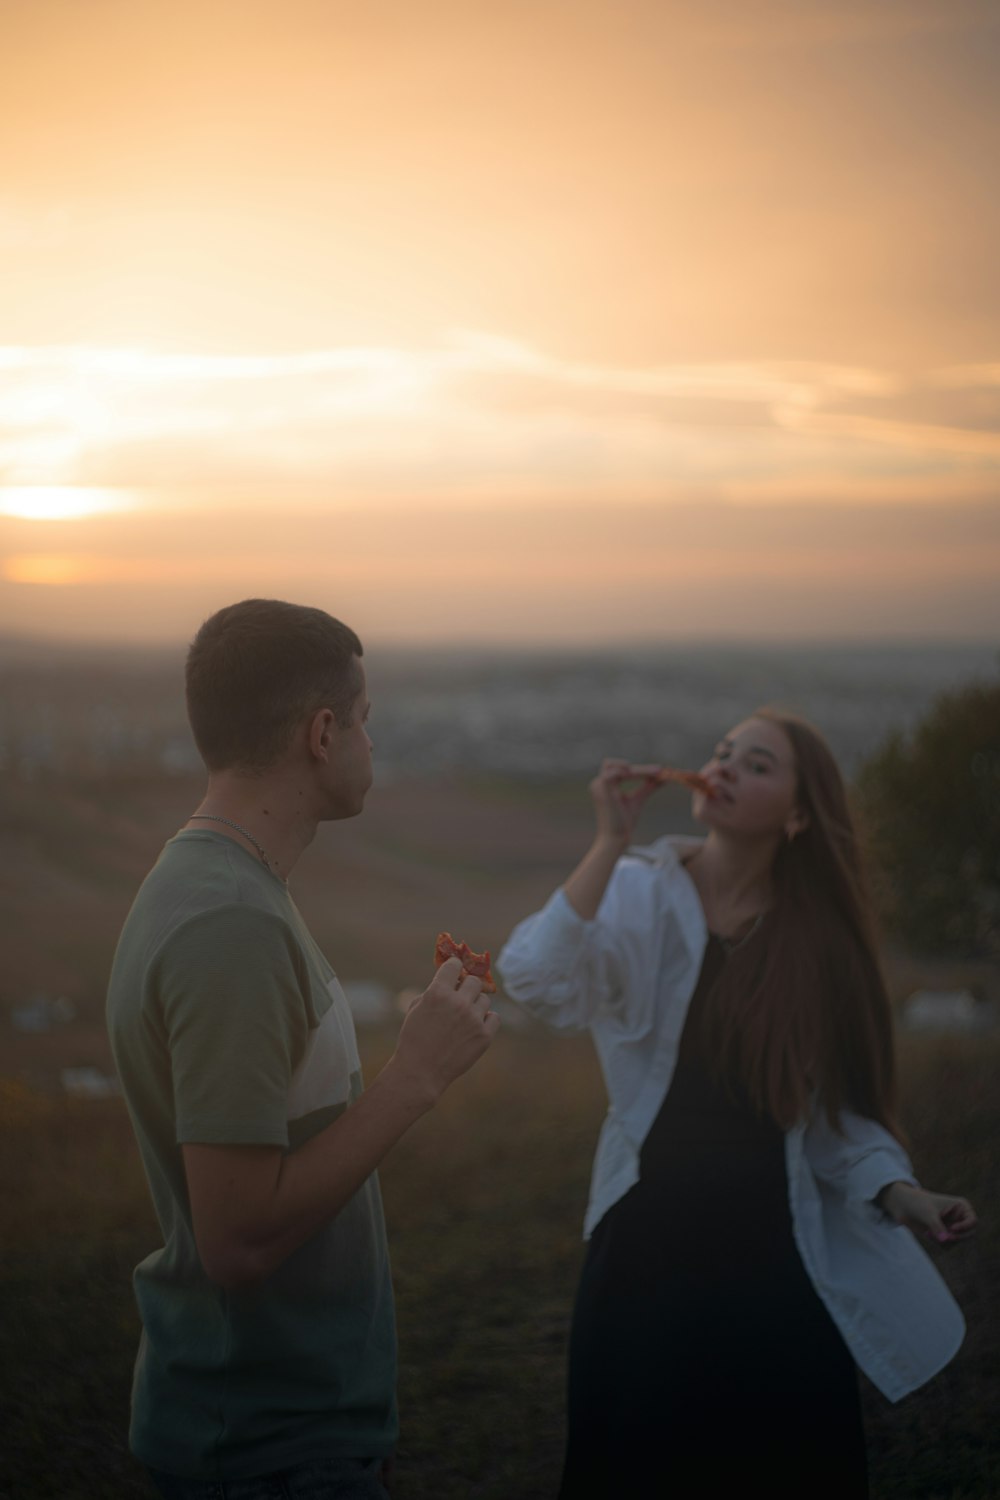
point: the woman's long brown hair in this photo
(802, 1010)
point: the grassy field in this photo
(484, 1200)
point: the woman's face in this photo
(753, 771)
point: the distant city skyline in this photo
(555, 324)
(551, 714)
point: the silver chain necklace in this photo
(214, 818)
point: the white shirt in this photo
(628, 977)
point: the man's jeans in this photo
(328, 1479)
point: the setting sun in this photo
(52, 570)
(59, 502)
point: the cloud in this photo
(788, 24)
(923, 439)
(475, 414)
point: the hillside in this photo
(470, 857)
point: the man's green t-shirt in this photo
(230, 1028)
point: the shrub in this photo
(931, 803)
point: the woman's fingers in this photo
(610, 773)
(954, 1217)
(959, 1218)
(612, 782)
(619, 791)
(941, 1216)
(626, 770)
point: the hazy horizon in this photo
(79, 642)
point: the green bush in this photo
(931, 803)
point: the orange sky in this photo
(541, 320)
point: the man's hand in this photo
(252, 1206)
(446, 1030)
(941, 1216)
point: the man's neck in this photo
(272, 809)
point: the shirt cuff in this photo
(870, 1176)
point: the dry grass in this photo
(484, 1201)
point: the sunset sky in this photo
(563, 320)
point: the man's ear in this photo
(320, 733)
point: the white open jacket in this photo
(628, 977)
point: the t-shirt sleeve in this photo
(234, 996)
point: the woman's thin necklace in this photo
(214, 818)
(731, 944)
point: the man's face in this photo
(349, 772)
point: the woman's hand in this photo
(940, 1216)
(618, 810)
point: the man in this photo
(267, 1361)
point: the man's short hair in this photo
(255, 670)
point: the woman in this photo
(749, 1183)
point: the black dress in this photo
(702, 1360)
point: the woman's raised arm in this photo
(617, 812)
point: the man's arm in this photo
(251, 1206)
